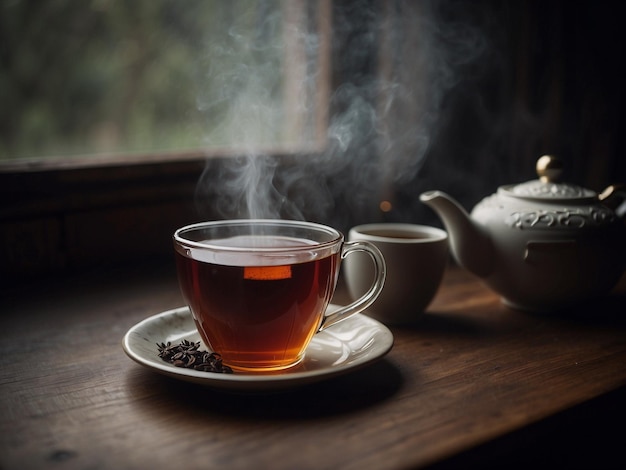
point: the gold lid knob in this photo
(549, 169)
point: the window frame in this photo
(62, 215)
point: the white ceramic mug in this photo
(416, 258)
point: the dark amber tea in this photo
(258, 289)
(258, 311)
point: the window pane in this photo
(117, 77)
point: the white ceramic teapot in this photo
(542, 245)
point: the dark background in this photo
(550, 80)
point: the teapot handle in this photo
(614, 197)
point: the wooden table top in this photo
(474, 382)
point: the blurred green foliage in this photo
(81, 77)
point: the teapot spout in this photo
(470, 244)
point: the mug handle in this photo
(380, 271)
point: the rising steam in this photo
(397, 63)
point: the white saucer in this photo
(350, 344)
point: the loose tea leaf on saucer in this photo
(187, 355)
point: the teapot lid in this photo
(547, 187)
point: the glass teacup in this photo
(258, 290)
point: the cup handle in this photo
(380, 271)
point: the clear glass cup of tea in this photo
(258, 290)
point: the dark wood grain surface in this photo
(473, 383)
